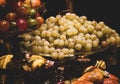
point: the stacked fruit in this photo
(65, 35)
(21, 15)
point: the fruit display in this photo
(61, 49)
(22, 16)
(66, 35)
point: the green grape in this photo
(52, 19)
(46, 43)
(75, 31)
(88, 47)
(70, 23)
(65, 51)
(82, 29)
(90, 28)
(70, 16)
(83, 42)
(61, 21)
(37, 38)
(78, 46)
(66, 42)
(61, 55)
(56, 28)
(27, 44)
(95, 43)
(63, 37)
(70, 40)
(55, 33)
(50, 25)
(27, 37)
(43, 34)
(108, 41)
(89, 41)
(36, 32)
(51, 50)
(112, 39)
(69, 32)
(71, 45)
(61, 43)
(54, 55)
(46, 49)
(51, 45)
(83, 18)
(35, 49)
(43, 27)
(93, 37)
(48, 33)
(40, 49)
(99, 34)
(79, 39)
(87, 36)
(71, 51)
(56, 42)
(98, 27)
(51, 39)
(58, 17)
(66, 26)
(101, 23)
(62, 28)
(94, 23)
(77, 25)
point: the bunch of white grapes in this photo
(64, 35)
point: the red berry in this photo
(22, 24)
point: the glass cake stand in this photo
(59, 64)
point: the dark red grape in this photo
(22, 24)
(4, 26)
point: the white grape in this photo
(71, 51)
(95, 43)
(90, 28)
(48, 33)
(43, 34)
(61, 43)
(36, 32)
(63, 37)
(87, 36)
(78, 46)
(88, 47)
(61, 55)
(54, 55)
(55, 33)
(52, 49)
(40, 49)
(56, 42)
(46, 43)
(27, 37)
(46, 49)
(112, 39)
(51, 39)
(62, 28)
(99, 34)
(37, 38)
